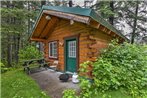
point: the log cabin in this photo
(72, 35)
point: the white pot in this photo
(75, 78)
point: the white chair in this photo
(55, 65)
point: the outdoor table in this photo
(41, 63)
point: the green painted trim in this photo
(77, 58)
(64, 55)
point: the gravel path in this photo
(49, 82)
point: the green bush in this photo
(69, 93)
(30, 52)
(119, 66)
(3, 68)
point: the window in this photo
(72, 49)
(53, 49)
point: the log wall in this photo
(90, 41)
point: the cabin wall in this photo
(62, 30)
(99, 41)
(90, 41)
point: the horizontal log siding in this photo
(102, 40)
(64, 29)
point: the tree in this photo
(129, 17)
(134, 13)
(105, 9)
(14, 29)
(111, 17)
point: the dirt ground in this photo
(49, 82)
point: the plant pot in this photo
(64, 77)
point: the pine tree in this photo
(14, 29)
(135, 15)
(125, 14)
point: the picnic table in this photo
(41, 62)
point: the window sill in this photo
(53, 58)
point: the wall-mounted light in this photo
(61, 43)
(47, 17)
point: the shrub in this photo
(118, 67)
(30, 52)
(122, 65)
(69, 93)
(3, 68)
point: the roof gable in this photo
(85, 12)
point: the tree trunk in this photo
(28, 19)
(9, 52)
(134, 24)
(70, 3)
(17, 49)
(43, 3)
(9, 44)
(14, 48)
(111, 18)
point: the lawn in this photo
(16, 84)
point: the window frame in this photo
(49, 51)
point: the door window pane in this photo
(72, 49)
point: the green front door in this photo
(70, 51)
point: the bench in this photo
(40, 62)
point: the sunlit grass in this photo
(16, 84)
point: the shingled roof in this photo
(83, 12)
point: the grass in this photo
(16, 84)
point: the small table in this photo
(41, 63)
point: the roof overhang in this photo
(83, 19)
(43, 27)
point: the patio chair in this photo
(55, 65)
